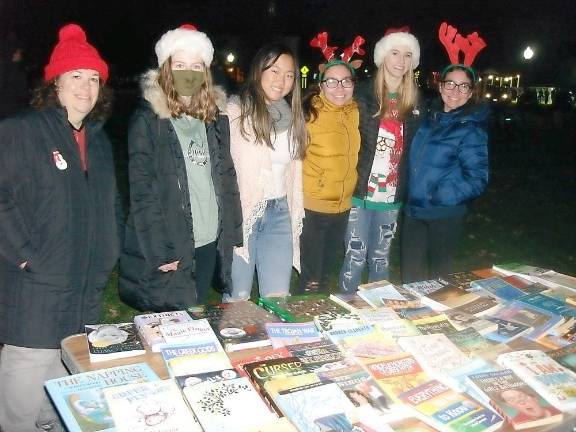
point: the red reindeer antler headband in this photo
(455, 43)
(329, 52)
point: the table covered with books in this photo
(470, 352)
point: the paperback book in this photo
(514, 400)
(462, 320)
(364, 342)
(507, 330)
(423, 288)
(319, 356)
(263, 354)
(212, 376)
(283, 334)
(80, 400)
(113, 341)
(378, 295)
(470, 342)
(498, 288)
(202, 356)
(554, 382)
(148, 326)
(238, 325)
(353, 302)
(548, 304)
(566, 356)
(337, 320)
(225, 405)
(479, 307)
(539, 320)
(434, 324)
(460, 280)
(156, 406)
(448, 297)
(188, 332)
(450, 411)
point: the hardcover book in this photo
(300, 308)
(156, 406)
(283, 334)
(113, 341)
(450, 411)
(80, 401)
(554, 382)
(191, 358)
(514, 400)
(225, 405)
(148, 326)
(238, 325)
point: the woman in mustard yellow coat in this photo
(329, 171)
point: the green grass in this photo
(528, 213)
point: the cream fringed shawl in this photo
(254, 173)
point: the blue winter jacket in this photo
(448, 162)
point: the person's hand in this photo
(173, 266)
(23, 265)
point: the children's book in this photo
(190, 358)
(364, 342)
(186, 332)
(566, 356)
(113, 341)
(148, 326)
(498, 288)
(554, 382)
(225, 405)
(353, 302)
(79, 398)
(300, 308)
(239, 325)
(513, 399)
(156, 406)
(283, 334)
(450, 411)
(397, 374)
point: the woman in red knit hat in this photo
(59, 225)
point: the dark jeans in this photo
(205, 260)
(428, 247)
(322, 235)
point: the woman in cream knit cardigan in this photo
(267, 138)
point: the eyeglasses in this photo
(464, 88)
(333, 82)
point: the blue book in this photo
(548, 304)
(80, 400)
(498, 288)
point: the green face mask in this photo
(187, 82)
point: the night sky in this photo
(125, 30)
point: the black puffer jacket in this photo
(159, 228)
(369, 126)
(61, 220)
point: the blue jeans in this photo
(270, 249)
(368, 239)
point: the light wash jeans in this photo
(270, 249)
(368, 239)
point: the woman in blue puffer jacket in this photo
(447, 168)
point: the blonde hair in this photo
(407, 94)
(253, 111)
(202, 105)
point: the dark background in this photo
(125, 30)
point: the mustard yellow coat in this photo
(329, 168)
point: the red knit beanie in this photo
(74, 52)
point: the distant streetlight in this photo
(230, 58)
(528, 53)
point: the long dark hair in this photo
(471, 76)
(253, 111)
(44, 96)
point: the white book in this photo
(148, 326)
(156, 406)
(186, 332)
(227, 405)
(556, 383)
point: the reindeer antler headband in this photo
(455, 44)
(329, 53)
